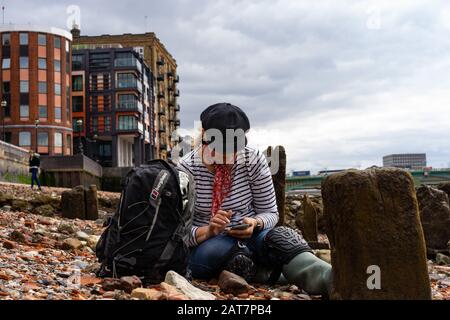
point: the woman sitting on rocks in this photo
(234, 186)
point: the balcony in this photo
(160, 78)
(177, 107)
(129, 85)
(129, 124)
(161, 111)
(160, 62)
(163, 146)
(177, 93)
(161, 95)
(177, 122)
(135, 105)
(170, 74)
(177, 79)
(129, 62)
(162, 127)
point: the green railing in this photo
(433, 177)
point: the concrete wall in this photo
(13, 163)
(112, 178)
(70, 171)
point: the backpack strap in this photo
(155, 196)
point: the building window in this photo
(24, 86)
(77, 62)
(57, 42)
(58, 113)
(23, 62)
(24, 139)
(127, 123)
(58, 139)
(43, 112)
(67, 46)
(105, 150)
(57, 65)
(23, 39)
(8, 137)
(77, 83)
(94, 125)
(126, 80)
(6, 87)
(42, 87)
(107, 123)
(77, 104)
(24, 111)
(42, 63)
(42, 39)
(43, 139)
(58, 89)
(6, 39)
(6, 63)
(127, 101)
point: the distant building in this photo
(165, 79)
(112, 93)
(406, 160)
(35, 88)
(301, 173)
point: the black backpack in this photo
(147, 236)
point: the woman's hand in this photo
(247, 233)
(219, 222)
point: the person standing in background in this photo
(34, 163)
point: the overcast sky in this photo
(338, 83)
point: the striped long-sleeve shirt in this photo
(251, 195)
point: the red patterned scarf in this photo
(222, 186)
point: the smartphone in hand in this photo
(241, 226)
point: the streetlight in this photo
(36, 122)
(4, 105)
(80, 144)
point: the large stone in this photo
(435, 217)
(71, 244)
(172, 293)
(111, 284)
(445, 187)
(373, 225)
(5, 199)
(72, 203)
(309, 220)
(91, 202)
(129, 283)
(44, 199)
(186, 288)
(44, 210)
(20, 205)
(147, 294)
(442, 259)
(232, 283)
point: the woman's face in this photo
(211, 156)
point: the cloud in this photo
(340, 84)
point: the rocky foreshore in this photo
(46, 256)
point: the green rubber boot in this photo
(309, 273)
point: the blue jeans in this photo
(208, 258)
(34, 177)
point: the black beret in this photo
(224, 116)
